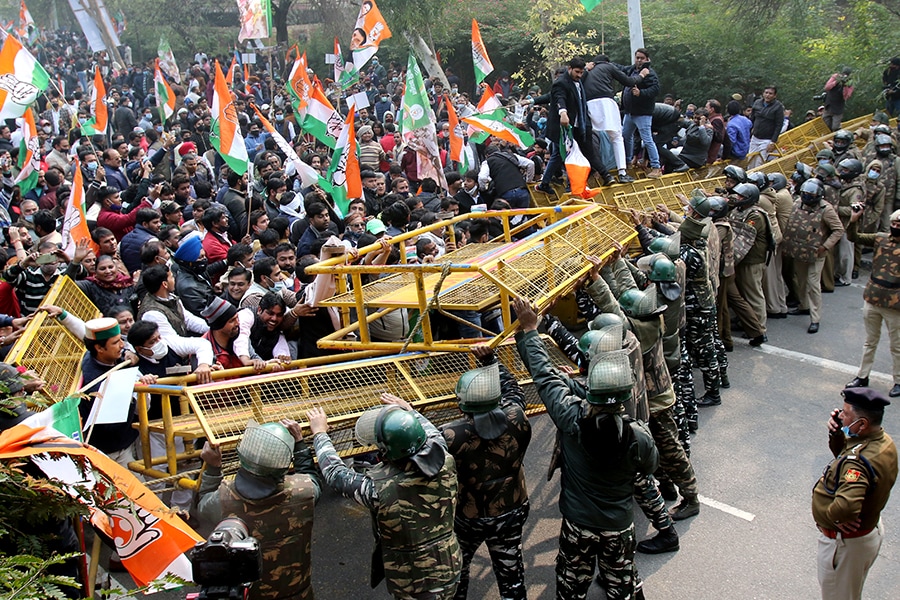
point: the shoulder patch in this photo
(852, 475)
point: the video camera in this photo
(227, 564)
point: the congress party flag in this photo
(577, 166)
(24, 17)
(308, 175)
(321, 120)
(483, 66)
(167, 60)
(62, 417)
(247, 89)
(165, 98)
(22, 79)
(229, 76)
(416, 107)
(224, 131)
(344, 172)
(149, 539)
(300, 87)
(495, 124)
(98, 123)
(488, 101)
(75, 226)
(369, 31)
(456, 138)
(345, 73)
(29, 155)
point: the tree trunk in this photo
(426, 57)
(279, 20)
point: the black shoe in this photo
(895, 391)
(681, 169)
(668, 491)
(798, 311)
(693, 425)
(859, 382)
(723, 381)
(625, 178)
(544, 188)
(855, 274)
(709, 399)
(729, 347)
(777, 315)
(685, 509)
(664, 541)
(759, 340)
(792, 303)
(557, 180)
(813, 328)
(609, 180)
(831, 291)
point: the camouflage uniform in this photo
(493, 497)
(413, 519)
(597, 487)
(701, 314)
(282, 523)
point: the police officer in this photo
(842, 146)
(277, 508)
(412, 495)
(750, 270)
(882, 299)
(812, 231)
(602, 451)
(853, 194)
(848, 498)
(489, 444)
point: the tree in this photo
(412, 20)
(280, 9)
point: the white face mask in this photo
(47, 129)
(159, 350)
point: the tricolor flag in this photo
(167, 60)
(61, 416)
(29, 155)
(577, 166)
(488, 101)
(483, 66)
(22, 79)
(495, 124)
(369, 31)
(165, 98)
(308, 175)
(321, 120)
(247, 89)
(416, 107)
(456, 139)
(97, 124)
(24, 17)
(229, 76)
(300, 87)
(75, 226)
(149, 539)
(345, 74)
(224, 131)
(344, 172)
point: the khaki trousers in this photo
(843, 564)
(749, 280)
(808, 288)
(775, 288)
(873, 316)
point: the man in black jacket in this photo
(599, 84)
(768, 119)
(568, 106)
(638, 103)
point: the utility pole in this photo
(635, 26)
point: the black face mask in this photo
(885, 152)
(895, 231)
(200, 265)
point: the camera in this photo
(229, 560)
(856, 207)
(819, 97)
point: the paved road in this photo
(756, 457)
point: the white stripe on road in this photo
(824, 363)
(725, 508)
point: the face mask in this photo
(29, 218)
(47, 129)
(895, 231)
(159, 350)
(873, 174)
(277, 287)
(279, 117)
(82, 120)
(847, 432)
(115, 207)
(542, 121)
(92, 167)
(384, 98)
(883, 151)
(159, 128)
(200, 265)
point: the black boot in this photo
(723, 380)
(685, 509)
(664, 541)
(668, 490)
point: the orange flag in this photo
(229, 76)
(75, 226)
(247, 79)
(456, 138)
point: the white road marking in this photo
(824, 363)
(726, 508)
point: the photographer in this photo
(277, 508)
(838, 90)
(890, 81)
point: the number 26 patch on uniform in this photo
(852, 475)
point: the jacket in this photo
(599, 81)
(130, 248)
(768, 119)
(639, 106)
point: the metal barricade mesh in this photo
(346, 390)
(646, 200)
(47, 346)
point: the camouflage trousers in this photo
(647, 496)
(587, 308)
(701, 345)
(683, 382)
(566, 341)
(673, 462)
(503, 536)
(614, 553)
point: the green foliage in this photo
(25, 576)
